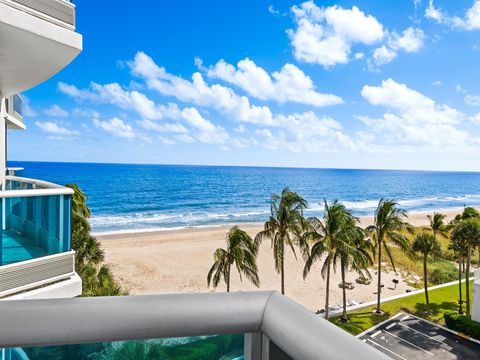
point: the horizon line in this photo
(246, 166)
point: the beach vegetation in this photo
(426, 245)
(241, 251)
(284, 228)
(336, 239)
(467, 231)
(97, 278)
(390, 224)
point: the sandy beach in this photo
(177, 261)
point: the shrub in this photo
(443, 274)
(462, 324)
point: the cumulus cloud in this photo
(205, 131)
(325, 36)
(288, 84)
(55, 129)
(470, 21)
(410, 41)
(116, 127)
(55, 111)
(198, 92)
(473, 100)
(412, 118)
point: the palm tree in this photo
(459, 248)
(79, 201)
(242, 251)
(468, 231)
(389, 223)
(427, 245)
(437, 224)
(284, 227)
(468, 213)
(340, 239)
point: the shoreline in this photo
(413, 216)
(177, 261)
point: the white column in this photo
(3, 138)
(3, 156)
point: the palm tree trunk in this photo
(460, 261)
(467, 281)
(228, 279)
(283, 269)
(379, 287)
(344, 293)
(425, 281)
(327, 290)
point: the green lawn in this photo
(441, 300)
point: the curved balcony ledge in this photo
(32, 49)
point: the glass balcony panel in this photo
(34, 226)
(224, 347)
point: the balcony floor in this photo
(17, 248)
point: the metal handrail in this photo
(297, 331)
(45, 188)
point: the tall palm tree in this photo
(427, 245)
(388, 227)
(437, 224)
(284, 227)
(79, 201)
(339, 238)
(467, 213)
(242, 251)
(468, 231)
(459, 248)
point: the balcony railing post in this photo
(253, 346)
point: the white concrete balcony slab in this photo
(37, 40)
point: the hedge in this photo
(462, 324)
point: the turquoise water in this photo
(137, 197)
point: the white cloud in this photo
(435, 14)
(55, 111)
(413, 119)
(55, 129)
(470, 21)
(473, 100)
(288, 84)
(475, 118)
(27, 109)
(198, 92)
(162, 127)
(116, 127)
(410, 41)
(325, 35)
(437, 83)
(272, 10)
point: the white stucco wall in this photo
(476, 297)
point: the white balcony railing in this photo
(274, 326)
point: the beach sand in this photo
(177, 261)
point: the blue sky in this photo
(346, 84)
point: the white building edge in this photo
(37, 40)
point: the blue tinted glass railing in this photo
(17, 104)
(34, 226)
(35, 219)
(224, 347)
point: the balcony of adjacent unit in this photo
(36, 257)
(37, 39)
(14, 112)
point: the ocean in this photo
(128, 198)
